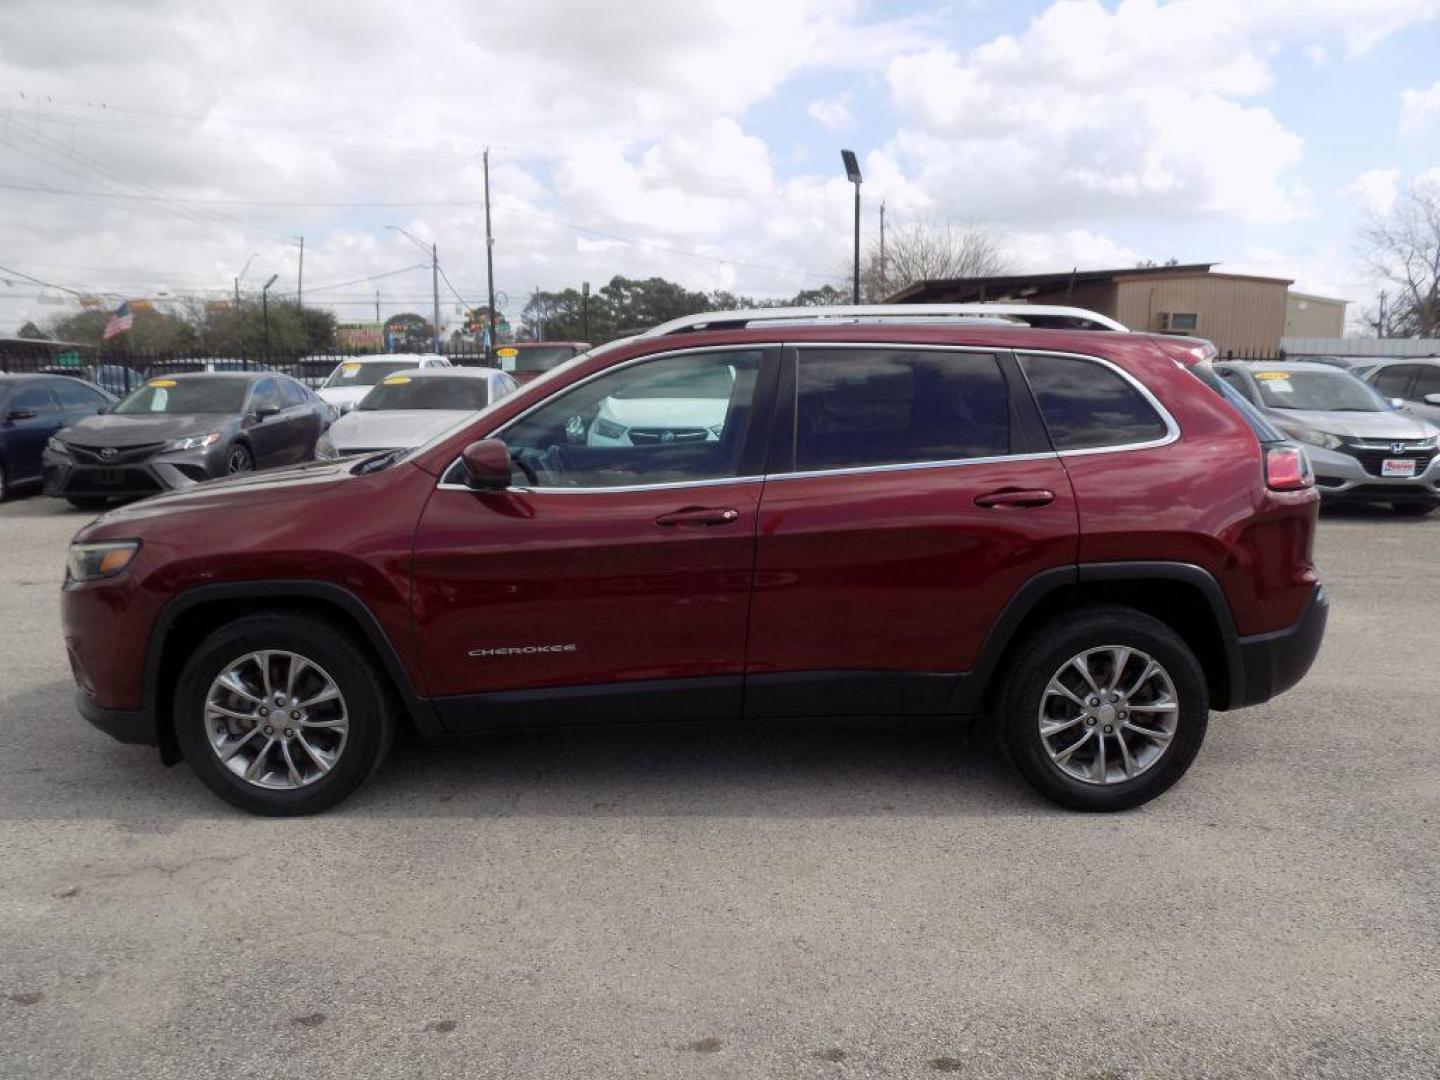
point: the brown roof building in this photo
(1240, 313)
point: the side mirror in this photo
(487, 465)
(20, 414)
(1399, 403)
(264, 412)
(1432, 399)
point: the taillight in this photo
(1287, 468)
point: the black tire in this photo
(4, 483)
(83, 502)
(348, 663)
(1412, 509)
(1042, 655)
(239, 459)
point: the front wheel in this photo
(282, 715)
(239, 460)
(1104, 710)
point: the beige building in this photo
(1240, 313)
(1309, 316)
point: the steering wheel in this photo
(525, 467)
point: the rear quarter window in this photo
(1088, 406)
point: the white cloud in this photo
(831, 113)
(1374, 189)
(1418, 108)
(1318, 55)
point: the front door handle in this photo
(1015, 499)
(693, 516)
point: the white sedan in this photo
(354, 377)
(411, 406)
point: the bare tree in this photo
(1403, 247)
(926, 251)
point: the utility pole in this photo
(435, 284)
(377, 305)
(1380, 323)
(585, 308)
(300, 277)
(539, 316)
(884, 281)
(489, 266)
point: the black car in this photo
(178, 430)
(32, 409)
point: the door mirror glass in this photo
(264, 412)
(487, 465)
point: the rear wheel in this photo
(282, 714)
(1411, 509)
(1104, 709)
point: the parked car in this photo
(411, 407)
(352, 379)
(528, 360)
(1362, 449)
(176, 431)
(1412, 384)
(1076, 534)
(116, 379)
(32, 409)
(195, 365)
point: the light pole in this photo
(434, 277)
(489, 268)
(265, 312)
(852, 173)
(585, 308)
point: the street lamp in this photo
(852, 173)
(265, 311)
(434, 277)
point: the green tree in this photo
(152, 330)
(409, 333)
(32, 332)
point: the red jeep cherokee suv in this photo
(1074, 532)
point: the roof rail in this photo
(1037, 315)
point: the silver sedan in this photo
(408, 408)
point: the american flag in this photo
(121, 319)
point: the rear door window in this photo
(1088, 406)
(32, 397)
(1394, 381)
(75, 395)
(1427, 383)
(891, 406)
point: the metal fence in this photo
(120, 371)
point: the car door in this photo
(78, 400)
(269, 431)
(911, 495)
(302, 420)
(614, 579)
(31, 416)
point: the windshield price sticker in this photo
(349, 371)
(397, 380)
(162, 382)
(1273, 376)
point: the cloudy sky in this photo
(152, 147)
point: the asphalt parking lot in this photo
(835, 901)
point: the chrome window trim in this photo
(1172, 429)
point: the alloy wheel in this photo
(237, 461)
(1108, 715)
(276, 720)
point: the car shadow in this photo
(1371, 512)
(55, 766)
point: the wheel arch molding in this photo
(198, 610)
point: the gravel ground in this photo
(838, 901)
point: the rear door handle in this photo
(1015, 498)
(693, 516)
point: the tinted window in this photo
(196, 394)
(1087, 406)
(408, 392)
(860, 407)
(1394, 381)
(76, 395)
(266, 396)
(668, 420)
(1428, 383)
(292, 394)
(33, 397)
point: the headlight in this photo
(1316, 438)
(325, 447)
(608, 429)
(194, 442)
(55, 444)
(90, 562)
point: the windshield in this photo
(187, 396)
(528, 358)
(355, 373)
(437, 392)
(1320, 391)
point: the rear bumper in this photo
(125, 725)
(1273, 663)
